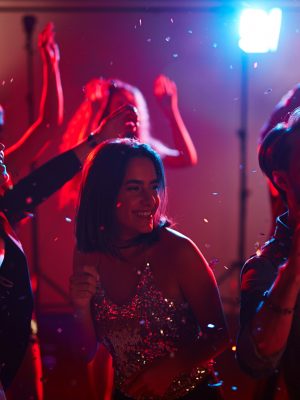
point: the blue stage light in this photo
(259, 30)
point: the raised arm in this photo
(35, 139)
(35, 188)
(184, 153)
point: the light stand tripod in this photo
(243, 190)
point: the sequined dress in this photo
(146, 328)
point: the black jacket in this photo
(16, 300)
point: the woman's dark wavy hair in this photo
(275, 151)
(103, 175)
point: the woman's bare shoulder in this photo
(177, 242)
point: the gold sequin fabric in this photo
(148, 327)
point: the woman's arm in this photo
(83, 284)
(35, 188)
(200, 290)
(184, 153)
(34, 140)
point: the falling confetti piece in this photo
(167, 39)
(190, 31)
(149, 40)
(215, 45)
(234, 388)
(255, 65)
(233, 348)
(268, 91)
(214, 262)
(175, 55)
(205, 220)
(28, 200)
(67, 219)
(140, 22)
(210, 326)
(217, 384)
(215, 193)
(172, 20)
(230, 66)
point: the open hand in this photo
(83, 284)
(47, 44)
(121, 123)
(165, 91)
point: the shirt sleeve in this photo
(36, 187)
(257, 276)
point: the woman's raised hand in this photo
(83, 284)
(165, 91)
(121, 123)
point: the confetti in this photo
(205, 220)
(217, 384)
(67, 219)
(268, 91)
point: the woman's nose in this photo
(148, 198)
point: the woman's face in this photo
(119, 98)
(138, 199)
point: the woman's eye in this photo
(133, 188)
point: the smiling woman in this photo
(140, 287)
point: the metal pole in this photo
(243, 159)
